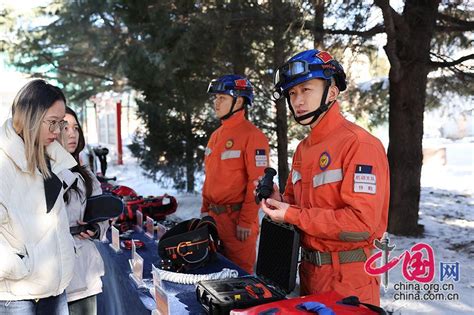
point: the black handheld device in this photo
(265, 185)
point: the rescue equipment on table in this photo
(156, 207)
(185, 278)
(276, 273)
(189, 245)
(128, 244)
(328, 303)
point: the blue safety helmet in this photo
(305, 66)
(308, 65)
(233, 85)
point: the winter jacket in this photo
(36, 248)
(89, 266)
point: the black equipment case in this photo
(277, 262)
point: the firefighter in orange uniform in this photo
(236, 155)
(337, 193)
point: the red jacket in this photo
(339, 186)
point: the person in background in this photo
(36, 248)
(89, 267)
(236, 154)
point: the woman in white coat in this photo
(36, 248)
(89, 267)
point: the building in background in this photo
(100, 119)
(10, 83)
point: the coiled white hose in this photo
(185, 278)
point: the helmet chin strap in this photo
(231, 112)
(323, 107)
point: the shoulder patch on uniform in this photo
(364, 180)
(261, 158)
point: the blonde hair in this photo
(29, 110)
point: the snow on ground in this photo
(446, 211)
(449, 225)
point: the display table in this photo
(121, 296)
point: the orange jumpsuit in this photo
(236, 155)
(339, 190)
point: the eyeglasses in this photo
(54, 124)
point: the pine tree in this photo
(81, 47)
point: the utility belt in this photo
(218, 209)
(325, 258)
(189, 245)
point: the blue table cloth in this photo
(121, 296)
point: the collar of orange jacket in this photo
(327, 124)
(234, 120)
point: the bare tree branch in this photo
(462, 75)
(447, 23)
(368, 33)
(446, 64)
(454, 20)
(452, 28)
(76, 71)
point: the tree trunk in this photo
(189, 147)
(238, 41)
(318, 24)
(408, 80)
(279, 48)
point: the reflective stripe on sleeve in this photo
(327, 177)
(230, 154)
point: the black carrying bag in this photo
(103, 207)
(189, 245)
(99, 208)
